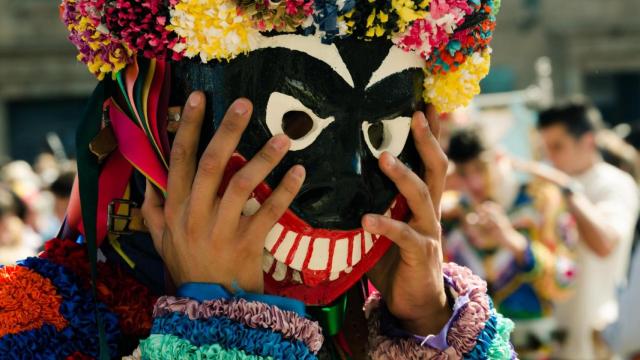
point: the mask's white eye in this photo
(287, 115)
(387, 135)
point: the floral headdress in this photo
(451, 35)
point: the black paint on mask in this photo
(343, 180)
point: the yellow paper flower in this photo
(408, 11)
(455, 89)
(212, 29)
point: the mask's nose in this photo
(337, 205)
(342, 189)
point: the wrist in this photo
(516, 243)
(571, 188)
(431, 319)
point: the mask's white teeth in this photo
(285, 246)
(296, 276)
(301, 253)
(272, 237)
(340, 255)
(356, 253)
(388, 213)
(281, 271)
(320, 254)
(368, 241)
(267, 261)
(251, 207)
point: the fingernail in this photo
(389, 160)
(240, 107)
(423, 121)
(195, 99)
(298, 171)
(279, 142)
(370, 221)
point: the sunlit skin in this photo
(567, 153)
(183, 227)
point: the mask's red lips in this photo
(312, 264)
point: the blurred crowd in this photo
(553, 235)
(33, 202)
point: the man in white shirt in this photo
(604, 203)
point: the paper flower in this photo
(331, 19)
(384, 18)
(211, 29)
(102, 53)
(142, 25)
(281, 16)
(455, 89)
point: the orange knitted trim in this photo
(27, 301)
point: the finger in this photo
(279, 201)
(413, 189)
(213, 162)
(433, 158)
(153, 214)
(183, 150)
(247, 179)
(403, 235)
(434, 120)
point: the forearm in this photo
(593, 230)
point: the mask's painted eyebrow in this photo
(396, 62)
(311, 46)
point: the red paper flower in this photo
(142, 25)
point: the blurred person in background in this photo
(15, 236)
(22, 181)
(57, 195)
(61, 190)
(513, 234)
(622, 335)
(617, 152)
(604, 203)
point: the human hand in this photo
(409, 276)
(495, 224)
(203, 237)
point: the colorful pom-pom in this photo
(212, 29)
(98, 49)
(142, 25)
(455, 89)
(281, 16)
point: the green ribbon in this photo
(88, 173)
(330, 317)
